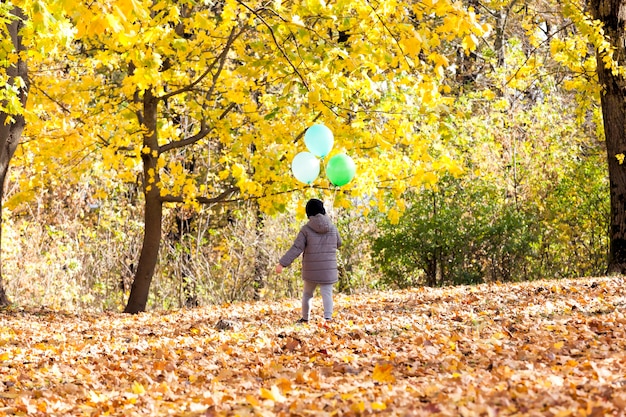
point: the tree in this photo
(13, 95)
(539, 132)
(235, 83)
(463, 232)
(38, 33)
(516, 125)
(611, 69)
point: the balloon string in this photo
(334, 214)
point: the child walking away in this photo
(317, 241)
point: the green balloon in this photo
(340, 169)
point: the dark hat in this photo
(314, 206)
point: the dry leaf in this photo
(383, 373)
(446, 351)
(273, 394)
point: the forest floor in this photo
(546, 348)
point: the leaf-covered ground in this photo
(552, 348)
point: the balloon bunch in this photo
(305, 166)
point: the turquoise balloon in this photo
(340, 169)
(305, 167)
(319, 140)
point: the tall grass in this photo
(82, 259)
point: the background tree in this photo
(610, 21)
(37, 33)
(525, 122)
(13, 95)
(548, 116)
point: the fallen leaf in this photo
(383, 373)
(273, 394)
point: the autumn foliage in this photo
(549, 348)
(143, 115)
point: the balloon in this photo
(305, 167)
(340, 169)
(318, 140)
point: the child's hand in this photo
(279, 268)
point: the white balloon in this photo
(305, 167)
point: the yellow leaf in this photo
(430, 178)
(137, 388)
(378, 406)
(358, 407)
(273, 394)
(439, 60)
(237, 171)
(412, 45)
(284, 384)
(489, 94)
(314, 97)
(114, 23)
(383, 373)
(4, 356)
(252, 401)
(620, 158)
(394, 216)
(95, 398)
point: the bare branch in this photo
(204, 131)
(224, 197)
(532, 52)
(62, 106)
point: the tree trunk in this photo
(153, 213)
(189, 293)
(261, 261)
(501, 18)
(431, 271)
(612, 13)
(11, 130)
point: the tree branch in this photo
(395, 40)
(532, 52)
(278, 45)
(224, 197)
(218, 61)
(204, 131)
(301, 134)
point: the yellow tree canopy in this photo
(239, 83)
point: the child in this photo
(318, 241)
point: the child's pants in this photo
(327, 299)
